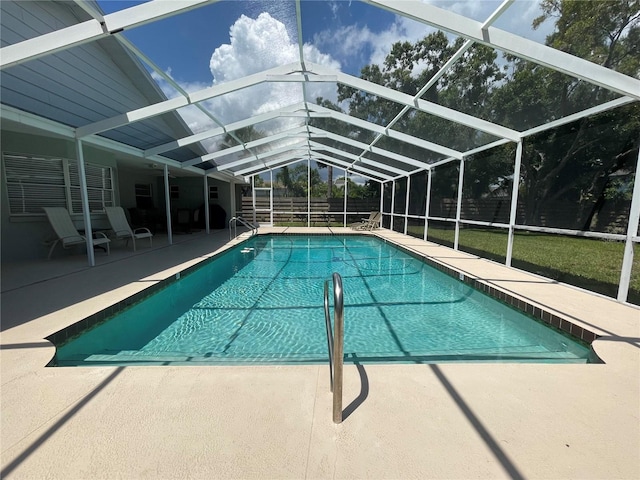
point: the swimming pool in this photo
(262, 302)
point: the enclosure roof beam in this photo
(422, 105)
(259, 156)
(346, 166)
(349, 166)
(293, 157)
(292, 132)
(513, 44)
(434, 147)
(93, 29)
(488, 146)
(87, 7)
(274, 164)
(243, 82)
(167, 78)
(301, 150)
(321, 146)
(314, 111)
(170, 105)
(198, 137)
(618, 102)
(448, 64)
(374, 150)
(365, 172)
(443, 162)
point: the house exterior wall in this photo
(22, 237)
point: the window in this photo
(144, 195)
(213, 192)
(35, 181)
(99, 186)
(174, 191)
(143, 190)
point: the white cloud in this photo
(195, 119)
(359, 44)
(256, 44)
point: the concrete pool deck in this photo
(274, 422)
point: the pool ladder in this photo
(235, 221)
(335, 342)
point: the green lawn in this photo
(585, 262)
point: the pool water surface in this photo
(262, 302)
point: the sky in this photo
(231, 39)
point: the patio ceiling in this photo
(300, 139)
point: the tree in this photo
(284, 178)
(331, 125)
(574, 163)
(407, 68)
(582, 163)
(294, 180)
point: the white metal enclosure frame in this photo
(304, 141)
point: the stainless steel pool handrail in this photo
(235, 221)
(335, 342)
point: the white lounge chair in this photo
(122, 229)
(368, 223)
(67, 232)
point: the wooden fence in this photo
(323, 211)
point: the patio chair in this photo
(122, 229)
(368, 223)
(67, 232)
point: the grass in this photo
(584, 262)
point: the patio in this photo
(400, 421)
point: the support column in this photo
(632, 231)
(233, 206)
(167, 202)
(459, 206)
(271, 197)
(381, 201)
(514, 202)
(406, 206)
(346, 194)
(206, 204)
(393, 198)
(308, 192)
(427, 205)
(253, 197)
(86, 213)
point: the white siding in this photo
(78, 86)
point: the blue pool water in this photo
(262, 302)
